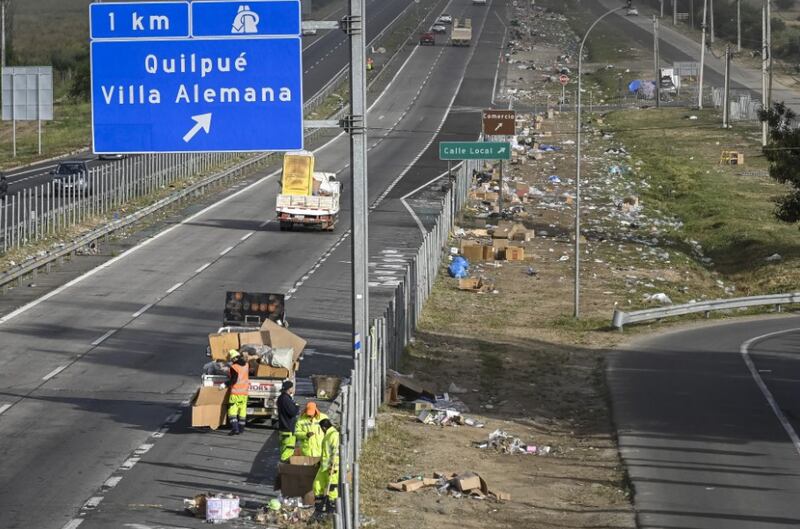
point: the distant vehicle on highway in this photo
(439, 28)
(632, 12)
(71, 176)
(462, 32)
(427, 39)
(444, 18)
(309, 32)
(479, 2)
(110, 156)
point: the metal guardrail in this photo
(620, 318)
(86, 240)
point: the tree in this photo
(783, 154)
(785, 4)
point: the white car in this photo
(439, 28)
(445, 19)
(632, 12)
(309, 32)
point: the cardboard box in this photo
(267, 371)
(222, 343)
(500, 244)
(278, 337)
(472, 253)
(250, 338)
(297, 477)
(488, 253)
(209, 407)
(467, 481)
(515, 253)
(221, 509)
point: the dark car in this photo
(71, 176)
(427, 39)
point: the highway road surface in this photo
(95, 377)
(707, 421)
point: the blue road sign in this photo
(245, 18)
(197, 95)
(139, 20)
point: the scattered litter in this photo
(660, 298)
(213, 507)
(554, 179)
(459, 268)
(284, 511)
(773, 258)
(453, 388)
(506, 443)
(447, 418)
(465, 484)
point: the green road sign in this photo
(474, 150)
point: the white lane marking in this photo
(161, 433)
(174, 287)
(185, 403)
(172, 419)
(104, 337)
(54, 372)
(3, 408)
(112, 482)
(93, 502)
(247, 236)
(744, 350)
(129, 463)
(266, 222)
(202, 268)
(142, 310)
(226, 250)
(143, 449)
(73, 524)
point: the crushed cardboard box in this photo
(465, 484)
(209, 407)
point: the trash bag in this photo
(282, 357)
(459, 268)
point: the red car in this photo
(427, 38)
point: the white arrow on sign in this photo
(501, 150)
(202, 121)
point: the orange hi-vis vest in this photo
(242, 385)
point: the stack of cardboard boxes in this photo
(505, 244)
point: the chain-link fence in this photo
(359, 400)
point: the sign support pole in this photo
(13, 119)
(500, 192)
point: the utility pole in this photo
(3, 33)
(769, 51)
(764, 52)
(656, 62)
(661, 5)
(702, 57)
(739, 26)
(726, 91)
(359, 215)
(691, 11)
(674, 12)
(711, 16)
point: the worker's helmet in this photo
(232, 354)
(274, 504)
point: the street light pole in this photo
(577, 311)
(702, 56)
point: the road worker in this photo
(287, 417)
(240, 387)
(308, 431)
(326, 482)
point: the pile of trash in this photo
(463, 485)
(213, 507)
(284, 511)
(447, 418)
(506, 443)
